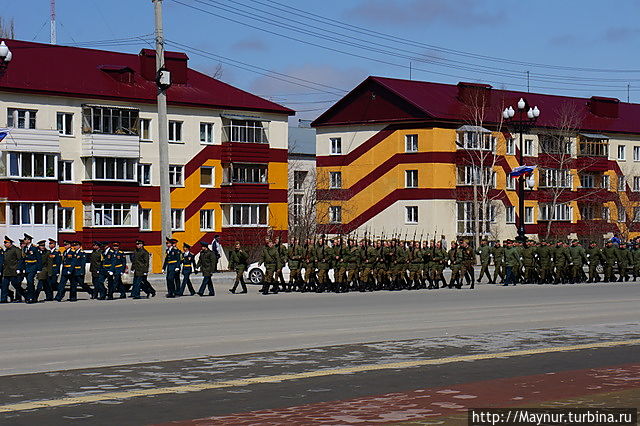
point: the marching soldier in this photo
(323, 255)
(119, 268)
(609, 261)
(79, 271)
(106, 271)
(416, 259)
(339, 264)
(594, 259)
(512, 263)
(456, 259)
(207, 261)
(528, 262)
(498, 262)
(623, 259)
(309, 265)
(294, 256)
(140, 262)
(95, 264)
(10, 275)
(635, 254)
(31, 264)
(369, 257)
(544, 253)
(484, 251)
(271, 259)
(187, 263)
(68, 264)
(238, 260)
(352, 261)
(561, 260)
(282, 253)
(43, 275)
(578, 259)
(171, 266)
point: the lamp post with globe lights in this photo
(5, 55)
(523, 121)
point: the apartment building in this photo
(416, 158)
(79, 159)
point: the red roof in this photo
(89, 73)
(427, 101)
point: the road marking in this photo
(109, 396)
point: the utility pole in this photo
(163, 126)
(54, 39)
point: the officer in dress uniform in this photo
(43, 274)
(31, 264)
(207, 265)
(79, 271)
(140, 262)
(187, 264)
(10, 275)
(56, 262)
(68, 264)
(119, 268)
(171, 266)
(107, 271)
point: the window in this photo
(65, 172)
(175, 131)
(636, 214)
(466, 218)
(110, 120)
(587, 180)
(335, 214)
(248, 131)
(510, 214)
(606, 213)
(636, 153)
(64, 123)
(477, 141)
(21, 118)
(555, 178)
(594, 147)
(247, 215)
(145, 129)
(554, 144)
(206, 133)
(108, 168)
(511, 182)
(622, 152)
(206, 177)
(32, 165)
(587, 212)
(528, 147)
(249, 173)
(176, 175)
(410, 178)
(336, 146)
(528, 215)
(298, 179)
(622, 183)
(116, 215)
(65, 218)
(555, 212)
(511, 146)
(622, 214)
(411, 214)
(468, 175)
(636, 183)
(177, 219)
(335, 180)
(207, 220)
(606, 181)
(144, 174)
(411, 143)
(145, 219)
(297, 208)
(32, 214)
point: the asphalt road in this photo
(162, 360)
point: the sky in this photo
(307, 54)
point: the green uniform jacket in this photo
(237, 260)
(485, 255)
(498, 255)
(323, 256)
(271, 257)
(95, 260)
(295, 254)
(544, 255)
(609, 255)
(594, 255)
(140, 260)
(528, 256)
(12, 257)
(47, 264)
(512, 257)
(207, 262)
(352, 258)
(578, 255)
(282, 252)
(561, 257)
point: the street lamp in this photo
(522, 122)
(5, 55)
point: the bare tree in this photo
(7, 29)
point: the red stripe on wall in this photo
(344, 160)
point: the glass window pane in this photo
(25, 213)
(14, 169)
(27, 170)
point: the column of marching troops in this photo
(365, 265)
(46, 268)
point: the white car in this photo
(254, 274)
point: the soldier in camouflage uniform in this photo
(545, 259)
(323, 255)
(415, 265)
(497, 252)
(484, 251)
(528, 262)
(295, 255)
(339, 264)
(594, 259)
(456, 258)
(369, 259)
(561, 262)
(609, 261)
(440, 260)
(271, 259)
(353, 262)
(309, 265)
(623, 259)
(282, 254)
(578, 259)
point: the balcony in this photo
(110, 145)
(31, 140)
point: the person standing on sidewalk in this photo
(187, 264)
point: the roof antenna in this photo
(53, 22)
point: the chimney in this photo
(175, 62)
(604, 107)
(474, 94)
